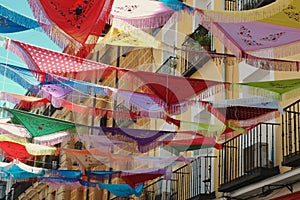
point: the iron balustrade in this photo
(247, 158)
(121, 121)
(16, 190)
(169, 66)
(193, 181)
(291, 135)
(193, 55)
(245, 4)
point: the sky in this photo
(35, 37)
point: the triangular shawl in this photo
(25, 102)
(137, 176)
(279, 89)
(17, 75)
(18, 170)
(173, 89)
(244, 117)
(11, 21)
(271, 31)
(143, 14)
(122, 190)
(19, 150)
(177, 5)
(132, 37)
(39, 125)
(42, 61)
(75, 24)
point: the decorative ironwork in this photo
(194, 181)
(248, 158)
(245, 4)
(120, 121)
(194, 51)
(169, 66)
(291, 135)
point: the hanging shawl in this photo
(143, 14)
(46, 61)
(52, 139)
(82, 86)
(20, 132)
(59, 86)
(25, 102)
(66, 173)
(280, 89)
(145, 139)
(17, 75)
(127, 35)
(203, 129)
(14, 130)
(177, 5)
(122, 190)
(191, 144)
(244, 117)
(261, 102)
(19, 150)
(138, 176)
(173, 89)
(74, 25)
(18, 171)
(39, 125)
(271, 31)
(11, 21)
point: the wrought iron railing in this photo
(121, 121)
(194, 50)
(291, 135)
(245, 155)
(16, 190)
(194, 181)
(169, 66)
(245, 4)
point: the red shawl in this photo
(74, 24)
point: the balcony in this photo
(194, 51)
(247, 159)
(245, 4)
(291, 135)
(169, 66)
(16, 190)
(119, 121)
(190, 182)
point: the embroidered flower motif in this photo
(246, 37)
(291, 13)
(245, 32)
(75, 15)
(126, 8)
(251, 42)
(273, 37)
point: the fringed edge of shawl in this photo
(145, 22)
(18, 18)
(244, 16)
(57, 35)
(278, 52)
(254, 121)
